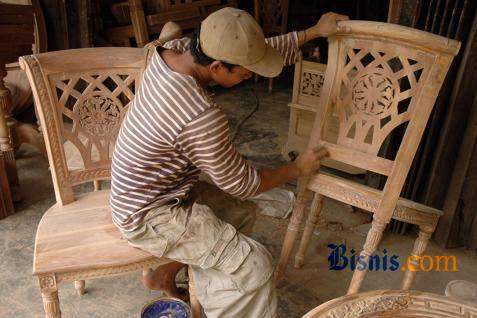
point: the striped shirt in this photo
(171, 132)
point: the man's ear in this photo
(215, 66)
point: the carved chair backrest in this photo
(82, 96)
(380, 76)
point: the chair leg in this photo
(270, 85)
(425, 233)
(80, 286)
(304, 196)
(49, 293)
(194, 302)
(372, 241)
(97, 185)
(309, 228)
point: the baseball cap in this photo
(233, 36)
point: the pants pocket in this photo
(246, 262)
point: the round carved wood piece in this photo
(373, 94)
(393, 303)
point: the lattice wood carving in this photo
(376, 91)
(92, 106)
(311, 83)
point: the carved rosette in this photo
(373, 94)
(47, 283)
(98, 116)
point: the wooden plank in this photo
(358, 159)
(175, 15)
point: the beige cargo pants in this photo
(232, 272)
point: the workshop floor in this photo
(260, 140)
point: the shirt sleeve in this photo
(207, 144)
(181, 45)
(287, 46)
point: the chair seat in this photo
(81, 236)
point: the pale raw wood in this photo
(308, 81)
(81, 97)
(394, 304)
(372, 68)
(80, 286)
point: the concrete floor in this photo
(260, 141)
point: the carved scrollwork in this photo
(369, 306)
(99, 116)
(312, 83)
(373, 94)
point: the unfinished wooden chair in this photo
(379, 76)
(394, 303)
(82, 96)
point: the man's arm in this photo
(288, 44)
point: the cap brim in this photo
(269, 66)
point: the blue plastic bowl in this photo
(166, 308)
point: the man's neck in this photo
(184, 63)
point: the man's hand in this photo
(326, 26)
(309, 161)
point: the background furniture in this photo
(272, 15)
(82, 96)
(6, 204)
(394, 303)
(21, 32)
(139, 19)
(379, 76)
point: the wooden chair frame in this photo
(91, 88)
(379, 76)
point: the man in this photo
(173, 131)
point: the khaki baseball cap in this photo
(233, 36)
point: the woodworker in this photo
(173, 131)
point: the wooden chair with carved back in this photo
(380, 76)
(81, 97)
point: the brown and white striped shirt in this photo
(172, 131)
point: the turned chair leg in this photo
(372, 241)
(194, 302)
(420, 245)
(80, 286)
(304, 196)
(309, 228)
(49, 293)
